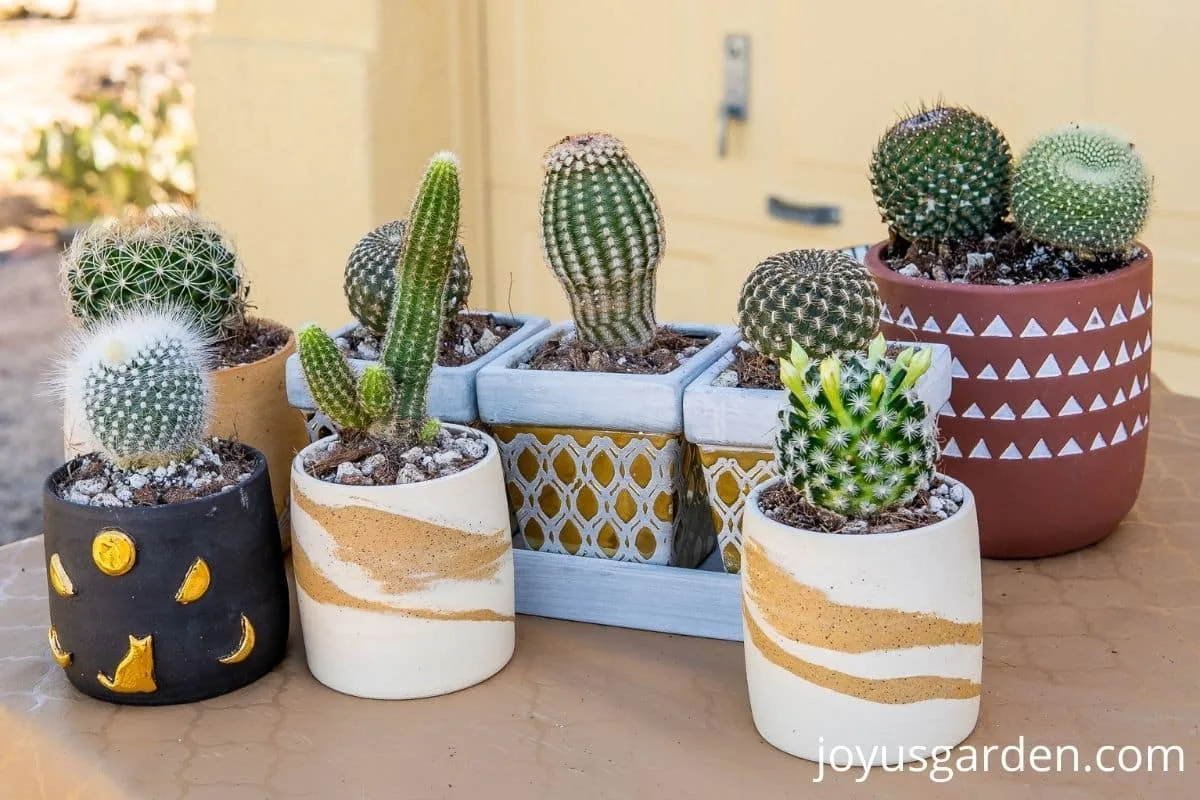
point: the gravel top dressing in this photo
(362, 460)
(785, 505)
(469, 337)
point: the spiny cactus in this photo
(824, 300)
(854, 438)
(942, 174)
(390, 399)
(370, 278)
(140, 380)
(602, 234)
(1081, 188)
(175, 260)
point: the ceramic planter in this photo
(404, 591)
(451, 389)
(250, 406)
(733, 431)
(1050, 401)
(871, 643)
(595, 463)
(167, 604)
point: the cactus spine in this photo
(1081, 188)
(824, 300)
(602, 234)
(391, 400)
(370, 277)
(139, 379)
(178, 261)
(942, 174)
(853, 437)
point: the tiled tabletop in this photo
(1098, 648)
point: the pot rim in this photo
(968, 504)
(283, 352)
(493, 452)
(878, 269)
(142, 512)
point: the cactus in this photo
(1081, 188)
(139, 379)
(390, 400)
(853, 437)
(171, 260)
(370, 278)
(602, 234)
(824, 300)
(941, 175)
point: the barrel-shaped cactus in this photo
(853, 438)
(602, 234)
(1081, 188)
(823, 300)
(171, 260)
(390, 401)
(942, 174)
(139, 379)
(370, 277)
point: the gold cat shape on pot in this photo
(135, 673)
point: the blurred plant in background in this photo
(135, 150)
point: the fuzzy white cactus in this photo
(140, 382)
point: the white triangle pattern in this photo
(1070, 408)
(1004, 412)
(1098, 404)
(931, 325)
(1071, 448)
(957, 370)
(1138, 309)
(1065, 327)
(980, 450)
(1120, 435)
(974, 412)
(1080, 367)
(1118, 317)
(1095, 321)
(1137, 425)
(987, 374)
(1040, 450)
(1036, 411)
(885, 314)
(1011, 453)
(1017, 372)
(1049, 368)
(951, 449)
(997, 327)
(1135, 388)
(1099, 442)
(1102, 362)
(1032, 330)
(1119, 398)
(1122, 355)
(1137, 351)
(959, 327)
(906, 319)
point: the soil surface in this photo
(786, 506)
(1007, 259)
(568, 354)
(753, 370)
(218, 465)
(467, 338)
(256, 340)
(357, 459)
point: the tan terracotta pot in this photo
(250, 405)
(1050, 400)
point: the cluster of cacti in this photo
(140, 380)
(172, 260)
(602, 234)
(853, 438)
(823, 300)
(390, 399)
(1081, 188)
(370, 277)
(942, 174)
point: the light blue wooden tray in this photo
(704, 602)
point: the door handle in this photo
(736, 98)
(805, 214)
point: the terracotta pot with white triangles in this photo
(1050, 400)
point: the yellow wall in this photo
(316, 118)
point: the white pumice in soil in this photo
(469, 343)
(449, 453)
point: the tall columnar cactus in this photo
(823, 300)
(942, 174)
(139, 379)
(390, 399)
(174, 260)
(602, 234)
(1081, 188)
(854, 438)
(370, 277)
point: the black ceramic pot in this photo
(167, 604)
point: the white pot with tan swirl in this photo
(863, 649)
(404, 591)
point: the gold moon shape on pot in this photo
(59, 578)
(244, 646)
(114, 552)
(135, 673)
(195, 583)
(61, 656)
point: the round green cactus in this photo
(941, 175)
(602, 234)
(139, 379)
(823, 300)
(1081, 188)
(853, 438)
(178, 261)
(370, 277)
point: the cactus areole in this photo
(602, 235)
